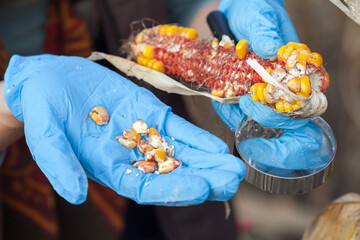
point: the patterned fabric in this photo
(25, 190)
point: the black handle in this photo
(219, 25)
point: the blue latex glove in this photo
(265, 24)
(53, 95)
(300, 147)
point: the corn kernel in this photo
(287, 106)
(269, 98)
(280, 53)
(162, 29)
(154, 138)
(269, 70)
(149, 51)
(171, 31)
(215, 43)
(140, 127)
(294, 85)
(280, 105)
(288, 50)
(218, 92)
(303, 57)
(150, 63)
(299, 46)
(167, 166)
(189, 33)
(159, 155)
(260, 91)
(99, 115)
(146, 166)
(143, 147)
(315, 59)
(242, 48)
(253, 92)
(327, 80)
(305, 87)
(133, 136)
(140, 37)
(126, 142)
(158, 66)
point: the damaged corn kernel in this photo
(99, 115)
(158, 154)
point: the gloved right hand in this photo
(265, 24)
(52, 96)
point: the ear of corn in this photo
(221, 67)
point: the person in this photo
(65, 151)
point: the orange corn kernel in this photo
(143, 147)
(146, 166)
(242, 48)
(172, 30)
(280, 53)
(167, 166)
(150, 63)
(218, 92)
(99, 115)
(315, 59)
(159, 155)
(133, 136)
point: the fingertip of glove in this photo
(228, 185)
(74, 195)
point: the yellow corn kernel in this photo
(288, 50)
(327, 79)
(215, 43)
(253, 92)
(303, 95)
(159, 155)
(294, 85)
(149, 51)
(301, 65)
(158, 66)
(142, 60)
(280, 105)
(242, 48)
(299, 46)
(315, 59)
(260, 91)
(171, 31)
(99, 115)
(303, 57)
(305, 87)
(189, 33)
(150, 63)
(299, 102)
(294, 106)
(280, 53)
(162, 29)
(287, 106)
(269, 70)
(218, 92)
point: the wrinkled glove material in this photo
(53, 95)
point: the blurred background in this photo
(31, 210)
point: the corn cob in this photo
(222, 68)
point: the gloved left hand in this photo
(53, 95)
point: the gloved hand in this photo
(299, 147)
(53, 95)
(265, 24)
